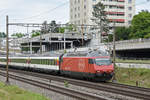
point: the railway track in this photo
(65, 91)
(125, 90)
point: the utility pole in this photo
(64, 40)
(7, 50)
(114, 53)
(82, 22)
(41, 42)
(43, 30)
(100, 34)
(82, 35)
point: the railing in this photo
(141, 40)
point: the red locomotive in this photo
(88, 65)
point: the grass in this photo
(14, 93)
(130, 76)
(133, 61)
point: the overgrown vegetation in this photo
(14, 93)
(66, 84)
(132, 75)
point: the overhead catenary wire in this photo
(45, 12)
(63, 4)
(53, 9)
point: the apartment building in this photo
(119, 11)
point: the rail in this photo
(65, 91)
(125, 90)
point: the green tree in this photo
(122, 33)
(147, 36)
(44, 29)
(54, 28)
(69, 27)
(35, 33)
(100, 17)
(62, 29)
(110, 38)
(2, 35)
(51, 27)
(18, 35)
(140, 27)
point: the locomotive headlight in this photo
(98, 71)
(110, 71)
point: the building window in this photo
(84, 6)
(129, 1)
(75, 1)
(93, 6)
(129, 22)
(78, 15)
(130, 15)
(75, 15)
(79, 22)
(75, 9)
(129, 8)
(78, 1)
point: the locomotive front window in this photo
(99, 61)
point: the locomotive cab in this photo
(103, 67)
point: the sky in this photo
(37, 11)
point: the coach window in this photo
(54, 62)
(50, 62)
(46, 61)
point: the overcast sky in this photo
(39, 10)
